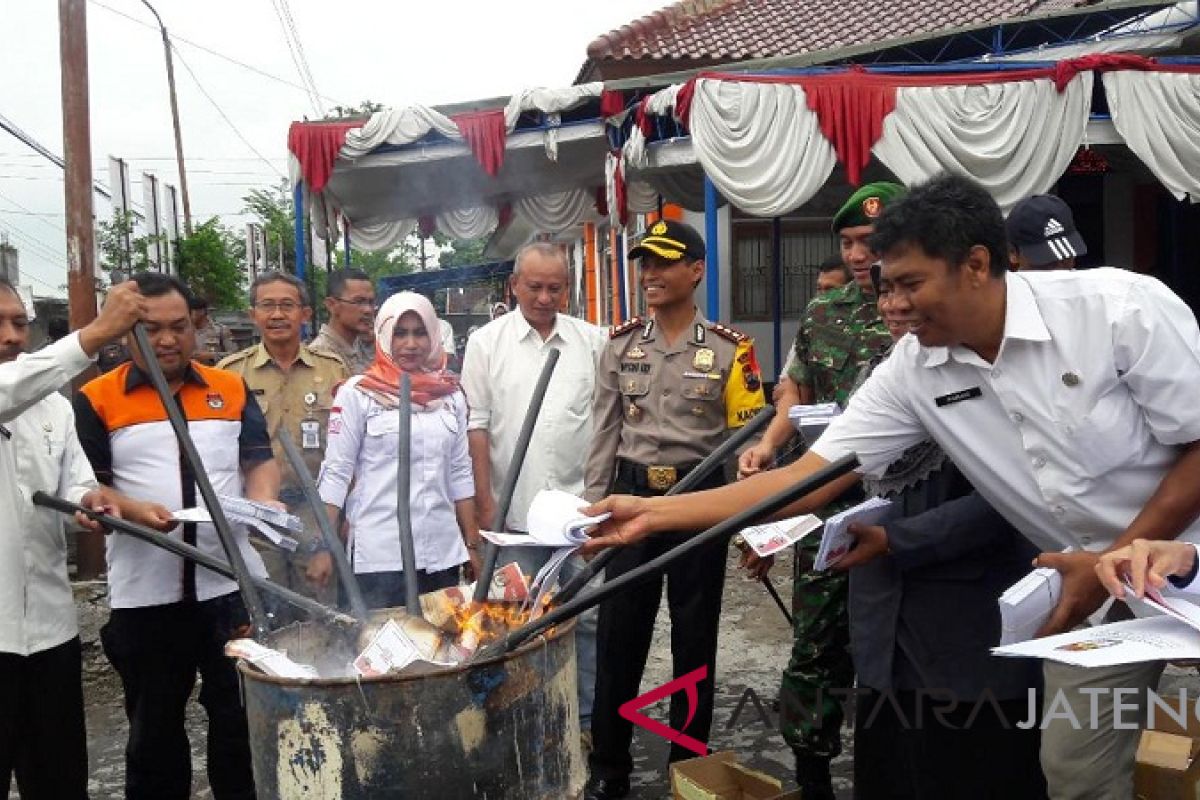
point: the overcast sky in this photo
(396, 53)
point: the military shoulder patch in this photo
(233, 358)
(726, 332)
(625, 327)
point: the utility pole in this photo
(183, 189)
(81, 235)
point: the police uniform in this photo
(356, 355)
(214, 338)
(840, 333)
(659, 409)
(299, 398)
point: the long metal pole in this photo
(701, 471)
(183, 187)
(491, 552)
(751, 516)
(254, 605)
(77, 172)
(346, 577)
(184, 550)
(408, 550)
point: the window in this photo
(804, 244)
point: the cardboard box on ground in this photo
(719, 776)
(1168, 760)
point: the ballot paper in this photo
(769, 539)
(811, 420)
(554, 521)
(837, 541)
(1157, 638)
(391, 649)
(264, 519)
(1027, 604)
(272, 662)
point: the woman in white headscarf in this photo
(359, 470)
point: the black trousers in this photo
(914, 747)
(624, 632)
(157, 651)
(42, 735)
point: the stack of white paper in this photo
(837, 541)
(1027, 604)
(240, 506)
(392, 649)
(1159, 638)
(811, 420)
(772, 537)
(554, 521)
(262, 518)
(272, 662)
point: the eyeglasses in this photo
(361, 302)
(271, 306)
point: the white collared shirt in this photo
(363, 448)
(1070, 431)
(37, 608)
(501, 365)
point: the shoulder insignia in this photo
(233, 358)
(625, 327)
(726, 332)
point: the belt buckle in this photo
(661, 478)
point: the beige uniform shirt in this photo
(299, 398)
(214, 338)
(357, 356)
(671, 405)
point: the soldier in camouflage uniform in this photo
(841, 331)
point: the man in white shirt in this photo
(1068, 400)
(42, 736)
(500, 368)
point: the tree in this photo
(210, 263)
(121, 250)
(460, 252)
(273, 207)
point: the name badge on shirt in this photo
(958, 397)
(310, 434)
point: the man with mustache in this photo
(170, 620)
(42, 733)
(350, 332)
(293, 385)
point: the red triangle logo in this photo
(687, 683)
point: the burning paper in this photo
(392, 649)
(272, 662)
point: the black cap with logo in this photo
(1042, 228)
(670, 240)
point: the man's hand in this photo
(1082, 592)
(632, 520)
(123, 307)
(755, 459)
(94, 501)
(870, 542)
(140, 512)
(319, 569)
(1146, 563)
(474, 568)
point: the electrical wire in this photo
(297, 54)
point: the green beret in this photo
(866, 204)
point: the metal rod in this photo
(701, 471)
(184, 550)
(491, 552)
(771, 590)
(408, 550)
(751, 516)
(346, 577)
(241, 574)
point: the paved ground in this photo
(754, 647)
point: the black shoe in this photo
(606, 788)
(812, 776)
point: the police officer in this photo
(294, 387)
(841, 332)
(668, 389)
(213, 340)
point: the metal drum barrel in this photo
(503, 728)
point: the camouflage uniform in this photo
(840, 333)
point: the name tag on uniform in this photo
(958, 397)
(310, 434)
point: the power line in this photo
(12, 128)
(30, 211)
(211, 52)
(297, 56)
(225, 116)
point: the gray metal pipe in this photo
(184, 550)
(491, 552)
(408, 549)
(241, 574)
(751, 516)
(346, 577)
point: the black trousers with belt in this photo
(42, 735)
(157, 651)
(626, 626)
